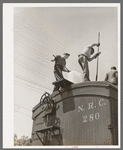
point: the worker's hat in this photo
(66, 54)
(113, 67)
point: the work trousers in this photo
(58, 75)
(58, 72)
(84, 65)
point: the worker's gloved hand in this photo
(97, 54)
(98, 44)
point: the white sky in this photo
(41, 32)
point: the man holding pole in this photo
(84, 57)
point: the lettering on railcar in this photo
(90, 106)
(91, 117)
(81, 108)
(101, 102)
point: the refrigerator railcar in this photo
(85, 114)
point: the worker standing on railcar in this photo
(83, 59)
(112, 76)
(60, 65)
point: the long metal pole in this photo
(98, 56)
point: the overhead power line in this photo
(56, 42)
(32, 82)
(23, 65)
(22, 113)
(22, 107)
(28, 87)
(31, 87)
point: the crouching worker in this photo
(84, 58)
(60, 65)
(112, 76)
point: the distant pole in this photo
(98, 57)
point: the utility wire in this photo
(27, 57)
(57, 41)
(52, 44)
(22, 107)
(31, 48)
(31, 82)
(30, 68)
(22, 113)
(43, 62)
(33, 88)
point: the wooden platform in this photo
(63, 83)
(48, 128)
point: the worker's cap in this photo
(113, 68)
(66, 54)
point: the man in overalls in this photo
(60, 65)
(83, 59)
(112, 76)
